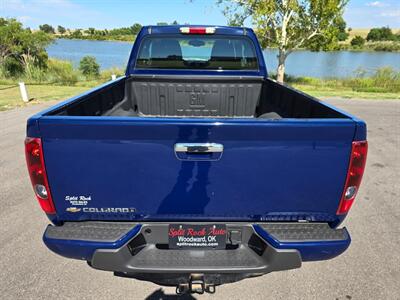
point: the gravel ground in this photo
(370, 269)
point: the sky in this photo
(120, 13)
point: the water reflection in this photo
(189, 194)
(332, 64)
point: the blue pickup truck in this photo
(195, 169)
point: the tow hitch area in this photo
(196, 285)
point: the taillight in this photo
(37, 173)
(197, 30)
(355, 172)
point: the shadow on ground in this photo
(160, 295)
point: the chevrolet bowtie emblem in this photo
(73, 209)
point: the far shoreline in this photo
(268, 48)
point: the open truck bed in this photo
(209, 97)
(195, 179)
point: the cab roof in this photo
(170, 29)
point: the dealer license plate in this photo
(210, 236)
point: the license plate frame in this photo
(197, 236)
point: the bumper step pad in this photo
(90, 231)
(307, 232)
(155, 258)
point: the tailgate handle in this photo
(199, 147)
(198, 151)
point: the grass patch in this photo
(57, 72)
(383, 84)
(10, 96)
(387, 46)
(59, 80)
(329, 92)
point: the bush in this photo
(388, 79)
(383, 80)
(60, 71)
(89, 67)
(357, 41)
(386, 46)
(106, 74)
(342, 36)
(77, 34)
(12, 67)
(380, 34)
(33, 73)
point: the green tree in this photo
(341, 26)
(77, 34)
(61, 29)
(289, 24)
(357, 41)
(90, 30)
(380, 34)
(135, 28)
(89, 67)
(47, 28)
(20, 48)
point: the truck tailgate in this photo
(126, 168)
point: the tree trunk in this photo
(280, 72)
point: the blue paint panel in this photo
(84, 249)
(294, 167)
(309, 251)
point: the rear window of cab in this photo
(197, 52)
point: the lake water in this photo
(300, 63)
